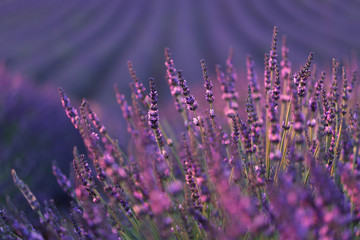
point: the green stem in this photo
(203, 142)
(333, 168)
(282, 163)
(307, 176)
(201, 130)
(311, 128)
(173, 150)
(268, 147)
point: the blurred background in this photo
(83, 46)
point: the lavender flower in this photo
(353, 80)
(273, 51)
(63, 181)
(30, 197)
(140, 89)
(173, 82)
(285, 63)
(208, 84)
(267, 80)
(243, 179)
(153, 111)
(70, 111)
(251, 76)
(190, 100)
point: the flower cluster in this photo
(220, 177)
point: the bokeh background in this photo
(84, 45)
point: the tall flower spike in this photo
(74, 215)
(173, 82)
(236, 133)
(190, 100)
(251, 76)
(190, 169)
(171, 70)
(220, 76)
(231, 78)
(273, 51)
(345, 95)
(93, 117)
(285, 63)
(225, 87)
(252, 119)
(125, 108)
(275, 94)
(231, 72)
(208, 84)
(153, 114)
(63, 181)
(250, 108)
(85, 178)
(303, 75)
(334, 84)
(70, 111)
(26, 192)
(353, 80)
(126, 111)
(246, 138)
(139, 87)
(236, 151)
(86, 169)
(267, 80)
(319, 86)
(272, 111)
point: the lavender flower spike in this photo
(25, 190)
(70, 111)
(208, 84)
(190, 100)
(273, 51)
(154, 114)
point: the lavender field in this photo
(84, 45)
(187, 120)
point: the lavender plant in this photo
(289, 170)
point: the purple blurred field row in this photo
(84, 45)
